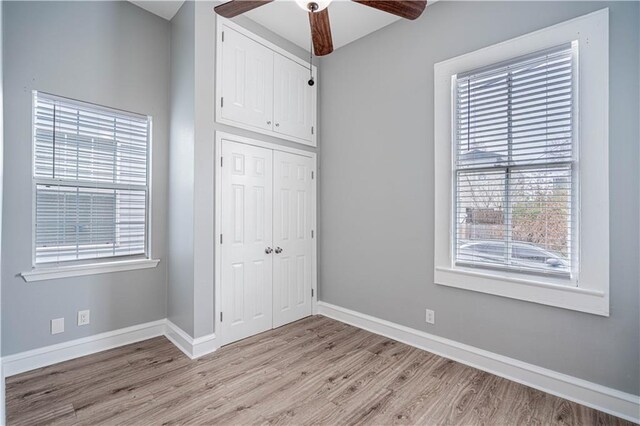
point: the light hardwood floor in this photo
(314, 371)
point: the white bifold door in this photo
(292, 220)
(266, 249)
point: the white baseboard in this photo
(48, 355)
(204, 345)
(179, 338)
(193, 348)
(608, 400)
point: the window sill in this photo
(51, 273)
(527, 289)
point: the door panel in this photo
(247, 270)
(292, 99)
(247, 73)
(292, 233)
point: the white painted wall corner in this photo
(193, 348)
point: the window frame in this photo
(588, 290)
(91, 266)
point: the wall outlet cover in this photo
(84, 317)
(430, 316)
(57, 325)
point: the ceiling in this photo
(349, 21)
(163, 8)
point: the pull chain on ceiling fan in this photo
(319, 15)
(311, 81)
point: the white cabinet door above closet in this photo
(247, 72)
(292, 100)
(262, 87)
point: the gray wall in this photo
(180, 300)
(377, 185)
(110, 53)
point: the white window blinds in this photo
(91, 182)
(514, 163)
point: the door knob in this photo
(277, 124)
(268, 250)
(268, 122)
(278, 250)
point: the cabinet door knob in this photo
(277, 124)
(268, 122)
(278, 250)
(268, 250)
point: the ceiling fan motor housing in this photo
(313, 5)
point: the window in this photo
(91, 181)
(514, 162)
(521, 167)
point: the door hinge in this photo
(223, 36)
(220, 238)
(312, 233)
(220, 316)
(312, 293)
(221, 161)
(222, 102)
(312, 174)
(311, 129)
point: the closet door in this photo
(247, 194)
(292, 107)
(247, 73)
(292, 221)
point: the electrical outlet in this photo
(84, 317)
(431, 316)
(57, 325)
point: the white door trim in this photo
(220, 136)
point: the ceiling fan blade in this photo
(237, 7)
(410, 9)
(321, 32)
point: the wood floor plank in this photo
(365, 408)
(112, 410)
(316, 411)
(309, 383)
(373, 372)
(55, 413)
(315, 371)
